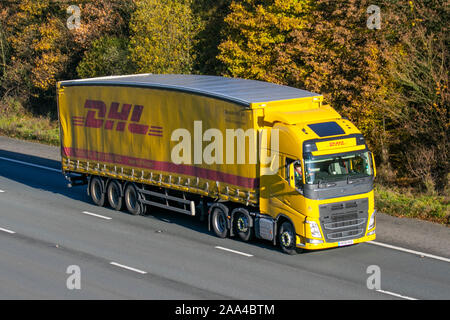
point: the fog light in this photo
(314, 241)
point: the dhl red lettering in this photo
(91, 121)
(137, 128)
(115, 114)
(120, 126)
(137, 112)
(109, 124)
(96, 118)
(336, 143)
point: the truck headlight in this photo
(315, 231)
(372, 220)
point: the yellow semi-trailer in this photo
(252, 158)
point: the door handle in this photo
(287, 202)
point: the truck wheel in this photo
(96, 191)
(242, 225)
(114, 198)
(132, 203)
(219, 222)
(286, 238)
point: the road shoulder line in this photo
(422, 254)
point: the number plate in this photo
(345, 243)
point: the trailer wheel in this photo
(132, 202)
(286, 238)
(114, 195)
(219, 221)
(242, 225)
(96, 191)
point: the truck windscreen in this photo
(337, 167)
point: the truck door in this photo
(277, 193)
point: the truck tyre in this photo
(286, 238)
(219, 221)
(242, 225)
(96, 191)
(113, 192)
(132, 202)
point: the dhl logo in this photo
(337, 143)
(100, 117)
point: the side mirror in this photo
(292, 175)
(373, 166)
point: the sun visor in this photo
(326, 129)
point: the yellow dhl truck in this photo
(252, 158)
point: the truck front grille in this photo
(345, 234)
(344, 220)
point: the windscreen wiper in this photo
(357, 180)
(326, 184)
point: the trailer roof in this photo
(236, 90)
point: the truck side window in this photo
(298, 176)
(297, 172)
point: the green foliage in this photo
(211, 16)
(161, 36)
(107, 56)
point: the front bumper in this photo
(304, 244)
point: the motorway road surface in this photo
(45, 227)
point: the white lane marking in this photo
(96, 215)
(234, 251)
(395, 294)
(127, 267)
(7, 231)
(31, 164)
(422, 254)
(1, 191)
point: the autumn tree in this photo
(346, 62)
(391, 81)
(323, 46)
(42, 49)
(37, 42)
(257, 35)
(419, 99)
(162, 33)
(102, 18)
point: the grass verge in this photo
(405, 203)
(16, 122)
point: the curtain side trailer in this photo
(254, 159)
